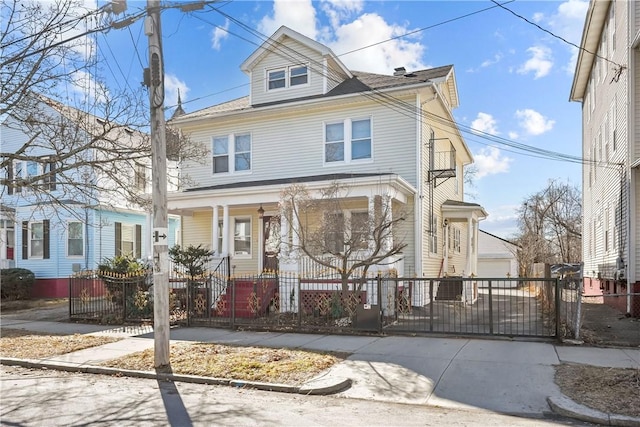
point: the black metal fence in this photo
(381, 304)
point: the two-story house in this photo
(310, 120)
(62, 211)
(607, 83)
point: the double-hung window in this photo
(282, 78)
(75, 239)
(347, 141)
(298, 75)
(128, 240)
(277, 79)
(36, 240)
(242, 236)
(360, 230)
(232, 153)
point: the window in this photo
(242, 237)
(360, 230)
(454, 239)
(347, 141)
(433, 234)
(140, 177)
(49, 174)
(75, 239)
(334, 142)
(221, 154)
(287, 77)
(298, 76)
(32, 172)
(236, 147)
(35, 239)
(361, 139)
(243, 152)
(334, 232)
(128, 240)
(277, 79)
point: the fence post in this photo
(299, 301)
(379, 284)
(124, 300)
(490, 308)
(430, 305)
(557, 308)
(232, 309)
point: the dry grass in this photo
(282, 366)
(611, 390)
(36, 345)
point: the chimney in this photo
(400, 71)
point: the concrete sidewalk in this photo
(511, 377)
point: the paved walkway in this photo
(511, 377)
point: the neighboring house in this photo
(310, 120)
(607, 83)
(497, 257)
(51, 227)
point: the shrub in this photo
(16, 283)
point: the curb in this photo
(307, 388)
(566, 407)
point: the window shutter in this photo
(118, 238)
(25, 239)
(52, 177)
(10, 178)
(45, 243)
(138, 241)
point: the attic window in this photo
(287, 77)
(128, 130)
(101, 121)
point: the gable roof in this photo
(360, 82)
(594, 23)
(275, 41)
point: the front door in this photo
(271, 232)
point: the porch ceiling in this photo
(268, 192)
(456, 211)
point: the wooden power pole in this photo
(154, 77)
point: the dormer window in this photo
(287, 77)
(277, 79)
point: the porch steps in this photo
(449, 290)
(252, 298)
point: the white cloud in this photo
(568, 23)
(496, 58)
(299, 15)
(502, 221)
(533, 122)
(345, 34)
(382, 58)
(513, 135)
(339, 10)
(171, 86)
(218, 34)
(540, 62)
(485, 123)
(490, 161)
(537, 17)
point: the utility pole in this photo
(154, 78)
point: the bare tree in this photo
(93, 147)
(549, 225)
(348, 245)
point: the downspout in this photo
(86, 238)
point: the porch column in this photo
(225, 230)
(385, 216)
(284, 234)
(295, 238)
(474, 260)
(372, 214)
(445, 259)
(467, 269)
(215, 227)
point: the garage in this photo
(498, 268)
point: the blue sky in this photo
(513, 78)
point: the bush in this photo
(16, 283)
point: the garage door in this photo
(493, 267)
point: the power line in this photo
(619, 67)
